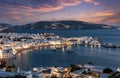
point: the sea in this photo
(100, 56)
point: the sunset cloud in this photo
(46, 8)
(19, 13)
(107, 16)
(104, 13)
(100, 11)
(16, 18)
(41, 6)
(69, 2)
(115, 18)
(14, 10)
(92, 1)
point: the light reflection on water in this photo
(98, 55)
(45, 57)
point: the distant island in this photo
(55, 25)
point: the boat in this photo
(53, 48)
(70, 51)
(110, 45)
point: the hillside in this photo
(64, 25)
(54, 25)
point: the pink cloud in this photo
(69, 2)
(16, 10)
(19, 13)
(16, 18)
(61, 5)
(92, 1)
(104, 13)
(106, 16)
(46, 8)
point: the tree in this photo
(19, 76)
(3, 64)
(11, 68)
(107, 70)
(73, 67)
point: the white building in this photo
(118, 69)
(27, 74)
(56, 42)
(6, 52)
(58, 71)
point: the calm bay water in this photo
(44, 57)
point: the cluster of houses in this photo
(13, 43)
(79, 71)
(85, 71)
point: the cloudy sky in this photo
(26, 11)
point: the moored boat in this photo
(110, 45)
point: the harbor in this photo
(14, 43)
(18, 46)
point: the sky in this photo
(30, 11)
